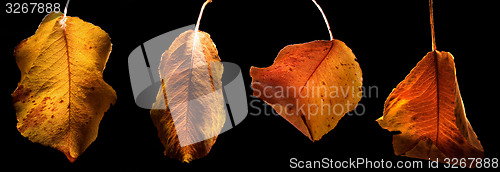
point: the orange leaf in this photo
(312, 85)
(426, 107)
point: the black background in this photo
(387, 37)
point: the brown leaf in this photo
(189, 109)
(426, 107)
(312, 85)
(62, 96)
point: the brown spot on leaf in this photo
(35, 117)
(21, 93)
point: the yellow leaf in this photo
(62, 97)
(189, 109)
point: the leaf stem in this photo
(63, 21)
(199, 17)
(324, 17)
(431, 11)
(66, 8)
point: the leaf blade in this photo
(189, 111)
(62, 97)
(426, 107)
(301, 69)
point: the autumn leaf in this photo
(312, 85)
(62, 96)
(189, 109)
(426, 107)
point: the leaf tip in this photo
(187, 158)
(69, 156)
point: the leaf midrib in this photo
(307, 81)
